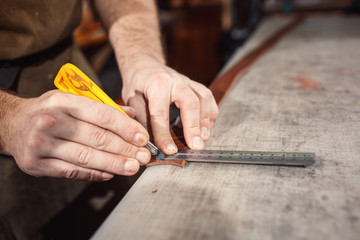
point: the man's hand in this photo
(161, 86)
(134, 34)
(63, 135)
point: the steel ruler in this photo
(246, 157)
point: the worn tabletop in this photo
(302, 95)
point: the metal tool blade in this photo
(247, 157)
(155, 151)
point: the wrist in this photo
(9, 107)
(130, 68)
(135, 44)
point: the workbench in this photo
(300, 95)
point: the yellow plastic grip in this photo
(71, 79)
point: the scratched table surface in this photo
(302, 95)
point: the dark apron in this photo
(26, 202)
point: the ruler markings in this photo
(247, 157)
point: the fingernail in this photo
(131, 166)
(106, 175)
(204, 133)
(197, 142)
(140, 138)
(143, 156)
(170, 148)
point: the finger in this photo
(99, 138)
(188, 103)
(129, 111)
(52, 167)
(214, 112)
(138, 102)
(91, 158)
(159, 102)
(209, 109)
(103, 116)
(205, 97)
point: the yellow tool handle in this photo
(71, 79)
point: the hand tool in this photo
(71, 79)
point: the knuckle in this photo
(192, 105)
(162, 77)
(100, 138)
(183, 88)
(194, 127)
(55, 98)
(44, 121)
(72, 173)
(160, 116)
(117, 164)
(205, 120)
(29, 165)
(192, 100)
(83, 156)
(105, 116)
(128, 151)
(205, 93)
(188, 99)
(185, 78)
(94, 175)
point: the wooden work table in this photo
(301, 95)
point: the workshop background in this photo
(199, 36)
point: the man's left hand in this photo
(151, 87)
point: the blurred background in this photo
(199, 37)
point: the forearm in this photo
(148, 84)
(8, 104)
(133, 31)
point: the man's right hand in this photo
(67, 136)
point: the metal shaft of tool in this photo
(247, 157)
(155, 151)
